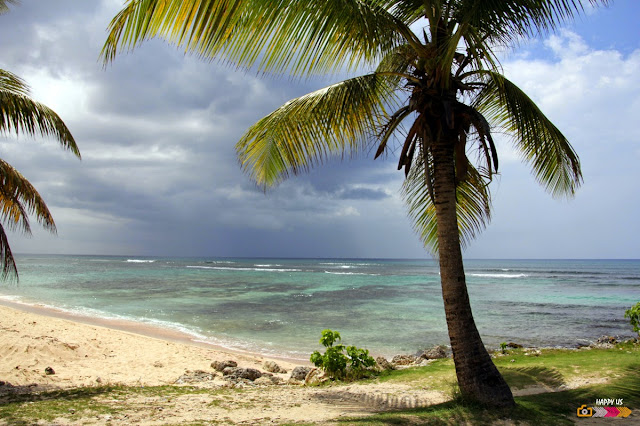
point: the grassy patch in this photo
(438, 375)
(574, 363)
(535, 375)
(550, 369)
(25, 408)
(521, 368)
(558, 408)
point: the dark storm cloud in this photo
(157, 131)
(362, 194)
(159, 174)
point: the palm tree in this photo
(437, 91)
(18, 198)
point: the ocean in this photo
(279, 307)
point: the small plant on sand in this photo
(503, 347)
(633, 314)
(335, 363)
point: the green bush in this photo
(335, 363)
(633, 314)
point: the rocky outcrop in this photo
(383, 364)
(221, 365)
(605, 342)
(403, 359)
(300, 373)
(267, 380)
(272, 367)
(607, 339)
(437, 352)
(314, 377)
(196, 376)
(250, 374)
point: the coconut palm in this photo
(436, 92)
(18, 198)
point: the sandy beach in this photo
(85, 354)
(129, 373)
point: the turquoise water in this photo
(280, 306)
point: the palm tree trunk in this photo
(478, 377)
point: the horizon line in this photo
(427, 258)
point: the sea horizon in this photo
(427, 257)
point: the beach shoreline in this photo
(279, 307)
(139, 328)
(86, 351)
(51, 353)
(44, 350)
(177, 336)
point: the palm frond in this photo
(480, 50)
(4, 5)
(407, 11)
(334, 121)
(507, 21)
(399, 61)
(275, 35)
(390, 127)
(396, 65)
(20, 114)
(11, 83)
(473, 206)
(18, 198)
(541, 144)
(7, 261)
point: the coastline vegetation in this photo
(540, 377)
(335, 363)
(633, 314)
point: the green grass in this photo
(23, 409)
(557, 408)
(439, 375)
(550, 370)
(573, 363)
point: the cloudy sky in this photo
(159, 174)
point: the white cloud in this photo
(593, 97)
(67, 95)
(347, 211)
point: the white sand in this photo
(88, 354)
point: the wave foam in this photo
(349, 273)
(228, 268)
(499, 275)
(14, 299)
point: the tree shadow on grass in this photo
(20, 405)
(523, 377)
(20, 394)
(550, 408)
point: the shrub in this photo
(334, 361)
(633, 314)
